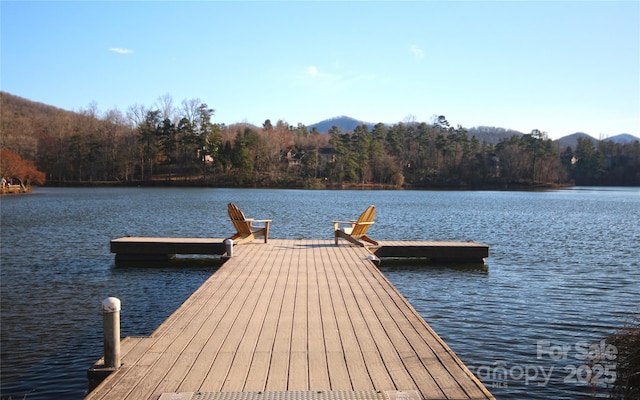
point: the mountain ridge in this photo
(488, 134)
(345, 123)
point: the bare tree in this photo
(136, 115)
(167, 110)
(191, 109)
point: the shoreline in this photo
(15, 189)
(337, 186)
(345, 186)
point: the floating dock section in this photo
(130, 248)
(162, 249)
(292, 320)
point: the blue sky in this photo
(561, 67)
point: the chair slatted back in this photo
(364, 222)
(239, 220)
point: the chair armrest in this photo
(353, 222)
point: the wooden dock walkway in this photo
(297, 319)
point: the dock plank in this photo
(239, 370)
(261, 360)
(330, 306)
(407, 341)
(293, 315)
(299, 362)
(388, 322)
(318, 367)
(365, 320)
(186, 349)
(340, 291)
(278, 376)
(212, 353)
(382, 335)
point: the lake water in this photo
(563, 273)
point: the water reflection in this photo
(179, 262)
(423, 265)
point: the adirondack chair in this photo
(357, 230)
(245, 230)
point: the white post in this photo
(229, 244)
(111, 323)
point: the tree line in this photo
(182, 144)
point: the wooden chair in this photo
(358, 229)
(245, 230)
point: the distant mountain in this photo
(572, 140)
(623, 138)
(492, 134)
(346, 124)
(240, 126)
(488, 134)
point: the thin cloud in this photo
(336, 82)
(312, 70)
(314, 76)
(344, 82)
(120, 50)
(416, 51)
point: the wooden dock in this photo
(292, 320)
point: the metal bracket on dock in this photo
(97, 374)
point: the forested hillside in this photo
(169, 143)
